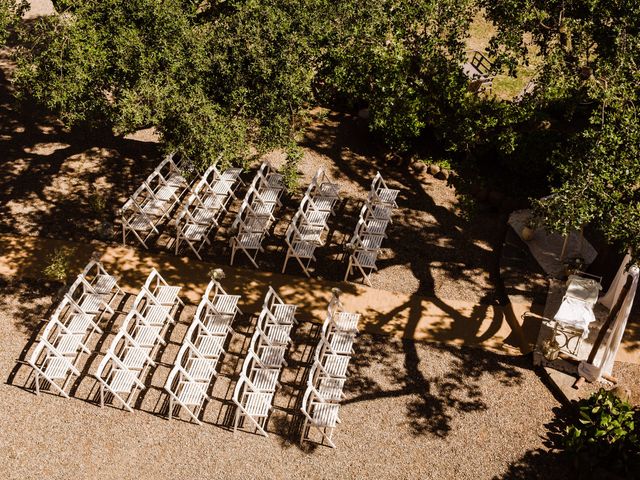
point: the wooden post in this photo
(605, 327)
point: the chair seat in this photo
(194, 231)
(257, 404)
(175, 179)
(192, 393)
(211, 201)
(375, 226)
(381, 212)
(366, 258)
(226, 303)
(325, 414)
(147, 335)
(135, 358)
(272, 356)
(341, 342)
(155, 207)
(68, 344)
(310, 233)
(346, 321)
(279, 334)
(248, 240)
(371, 242)
(324, 203)
(317, 217)
(205, 216)
(139, 222)
(79, 322)
(330, 389)
(304, 249)
(156, 314)
(166, 193)
(270, 195)
(231, 174)
(104, 283)
(209, 345)
(263, 208)
(201, 369)
(218, 324)
(283, 312)
(91, 303)
(166, 294)
(387, 196)
(336, 365)
(329, 189)
(122, 381)
(265, 379)
(56, 368)
(275, 180)
(256, 224)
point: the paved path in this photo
(383, 312)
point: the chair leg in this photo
(235, 422)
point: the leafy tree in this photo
(10, 12)
(588, 90)
(223, 75)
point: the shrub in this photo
(58, 266)
(605, 433)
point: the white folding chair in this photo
(302, 250)
(319, 414)
(380, 194)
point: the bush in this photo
(58, 266)
(605, 434)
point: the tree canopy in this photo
(224, 77)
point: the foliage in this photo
(97, 200)
(402, 60)
(57, 267)
(605, 434)
(10, 13)
(228, 77)
(588, 87)
(290, 173)
(221, 76)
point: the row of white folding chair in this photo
(306, 230)
(256, 213)
(254, 391)
(328, 372)
(203, 346)
(133, 349)
(207, 202)
(375, 216)
(68, 332)
(153, 201)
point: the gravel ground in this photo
(412, 411)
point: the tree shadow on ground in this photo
(52, 174)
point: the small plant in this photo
(443, 163)
(97, 201)
(467, 206)
(58, 266)
(291, 176)
(605, 433)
